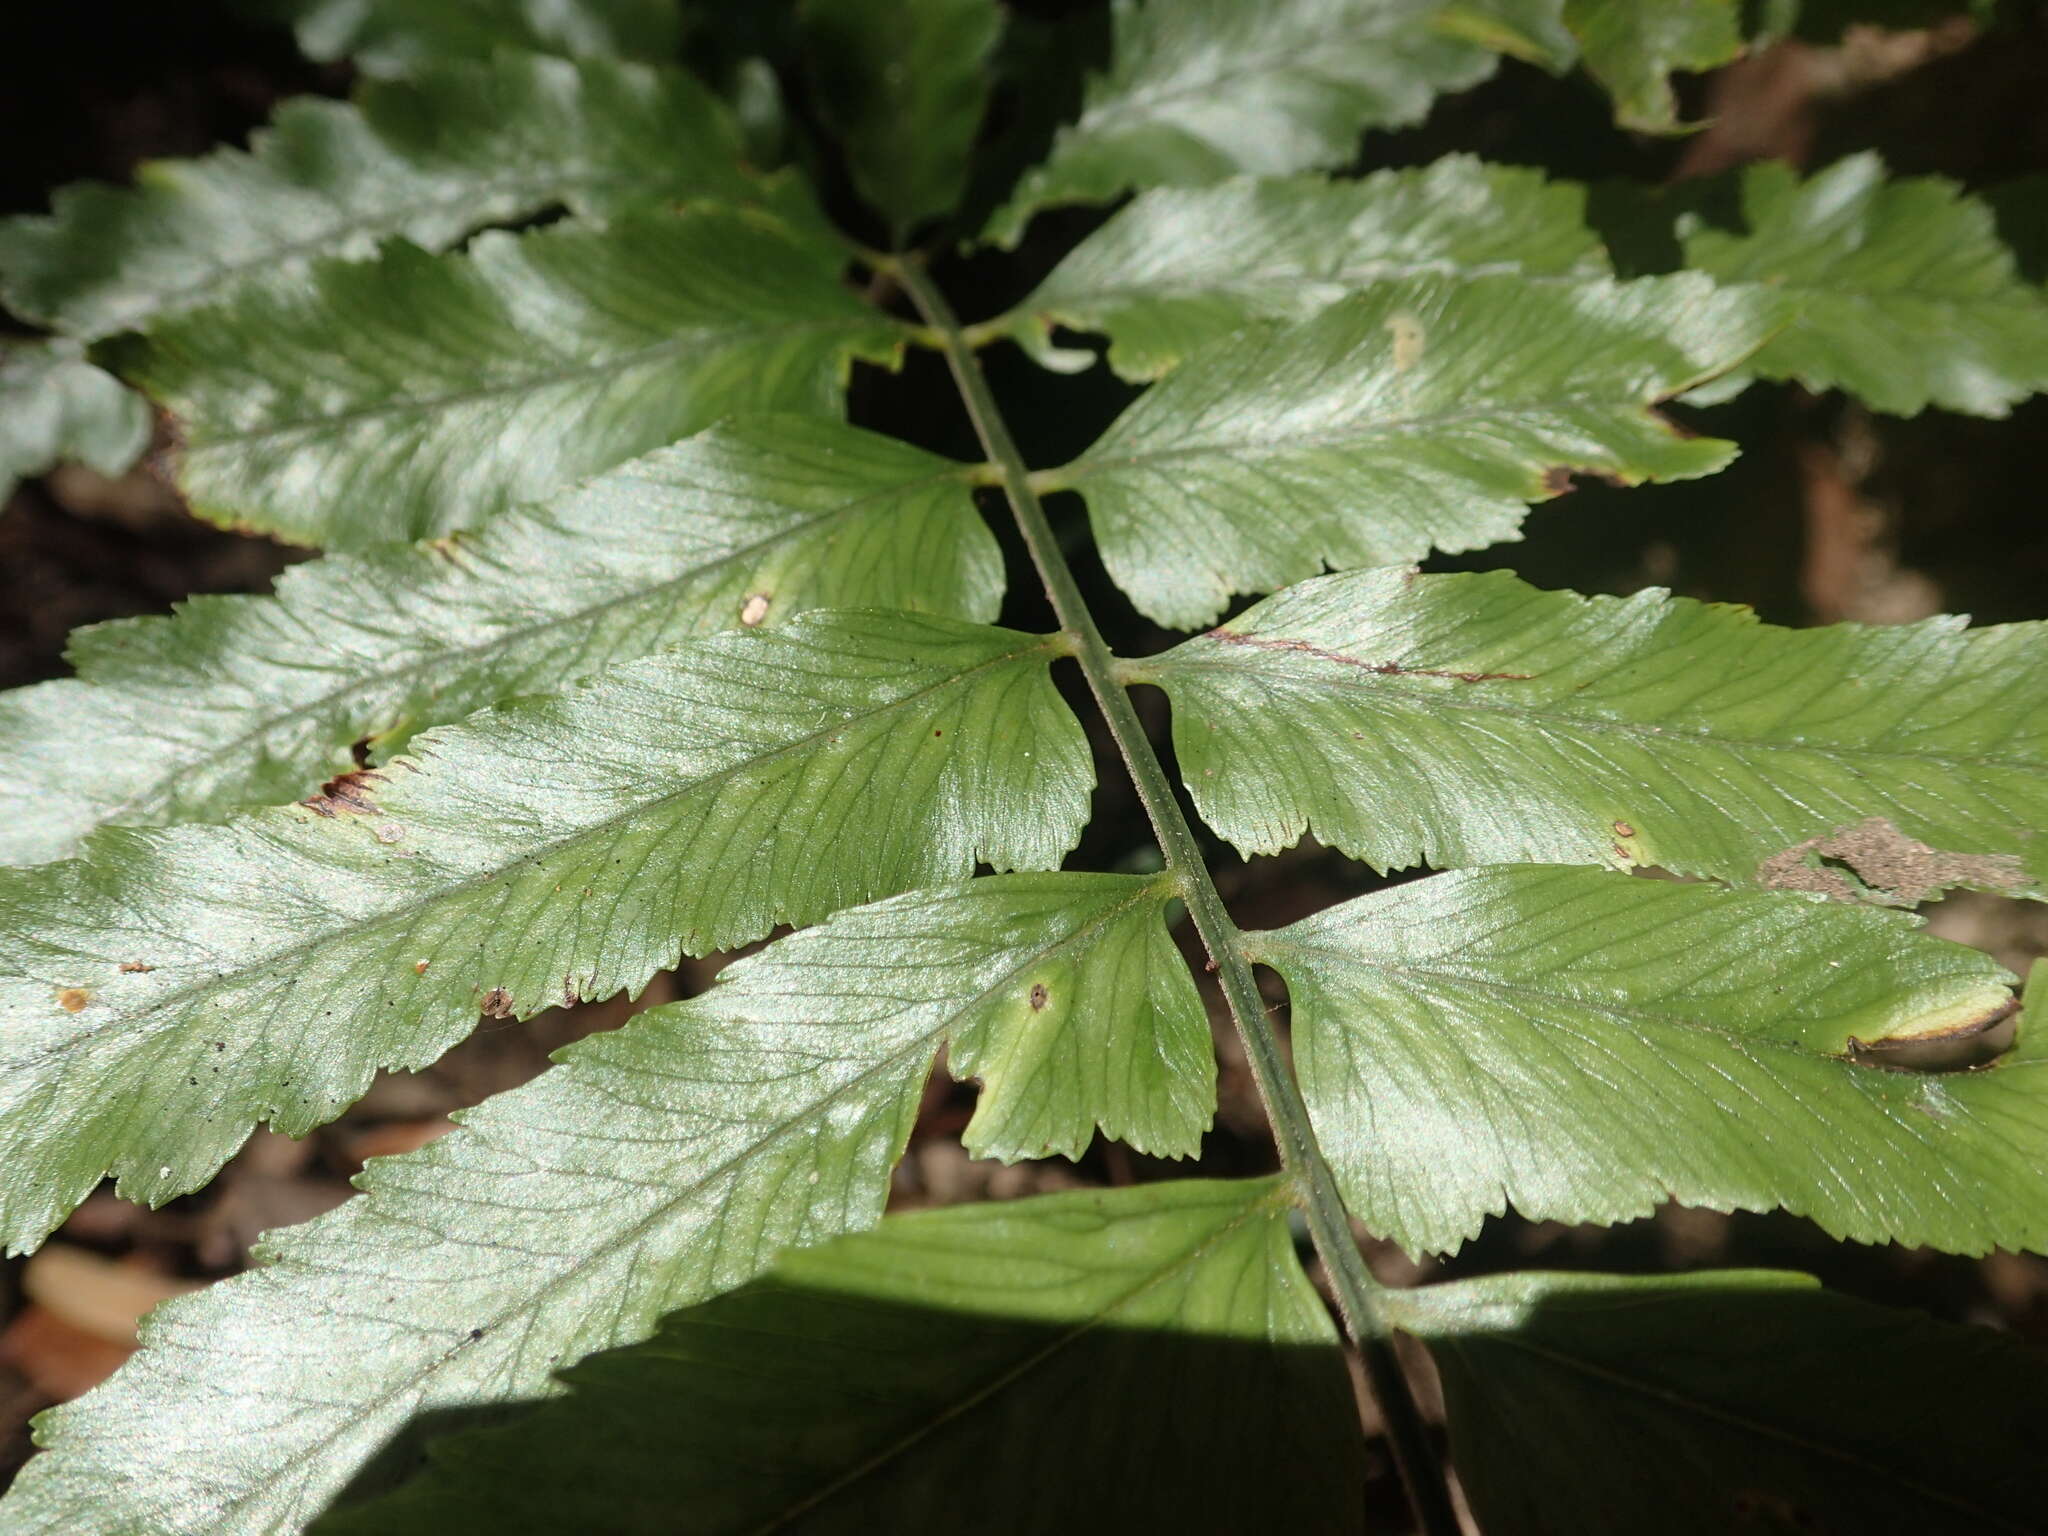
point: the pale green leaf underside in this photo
(57, 407)
(416, 394)
(904, 83)
(1905, 296)
(561, 847)
(1425, 413)
(1177, 269)
(466, 146)
(1632, 48)
(1583, 1046)
(1157, 1348)
(395, 37)
(244, 701)
(1200, 90)
(652, 1168)
(1452, 720)
(1738, 1400)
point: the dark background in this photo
(1832, 513)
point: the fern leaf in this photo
(1180, 268)
(246, 701)
(1200, 90)
(417, 394)
(905, 85)
(1701, 1404)
(1426, 413)
(1583, 1046)
(466, 146)
(855, 1380)
(1905, 296)
(164, 993)
(654, 1167)
(55, 406)
(1533, 31)
(396, 37)
(1456, 720)
(1633, 49)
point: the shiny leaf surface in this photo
(417, 394)
(1200, 90)
(173, 987)
(1452, 720)
(1582, 1047)
(245, 701)
(1425, 413)
(654, 1167)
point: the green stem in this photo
(1328, 1222)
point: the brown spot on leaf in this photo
(497, 1004)
(754, 609)
(1623, 829)
(348, 792)
(1557, 480)
(1038, 996)
(72, 999)
(1872, 860)
(133, 967)
(419, 967)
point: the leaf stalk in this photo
(1329, 1224)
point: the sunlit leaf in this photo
(465, 146)
(171, 988)
(1199, 90)
(1632, 48)
(654, 1167)
(417, 394)
(391, 37)
(1452, 720)
(244, 701)
(1177, 269)
(1424, 413)
(1905, 295)
(55, 406)
(1583, 1046)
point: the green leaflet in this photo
(173, 987)
(1180, 268)
(417, 394)
(1199, 90)
(1583, 1046)
(469, 144)
(654, 1167)
(1632, 48)
(905, 85)
(1905, 296)
(1106, 1331)
(54, 406)
(1732, 1401)
(1452, 720)
(1531, 30)
(1425, 413)
(243, 701)
(395, 37)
